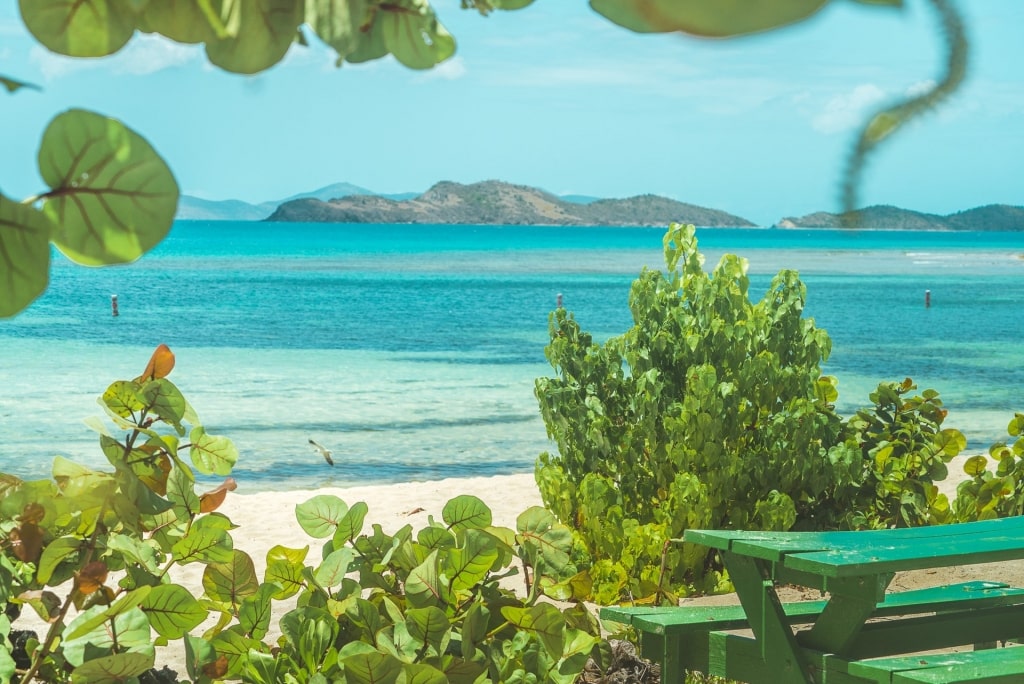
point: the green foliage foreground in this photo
(712, 412)
(91, 552)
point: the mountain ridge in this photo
(990, 217)
(540, 207)
(500, 203)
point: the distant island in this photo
(994, 217)
(498, 203)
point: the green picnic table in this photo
(862, 632)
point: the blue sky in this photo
(557, 97)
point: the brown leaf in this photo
(211, 500)
(217, 669)
(159, 366)
(92, 577)
(27, 542)
(32, 513)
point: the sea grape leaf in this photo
(24, 255)
(114, 669)
(211, 500)
(337, 22)
(470, 563)
(86, 28)
(256, 610)
(212, 455)
(426, 586)
(135, 550)
(231, 581)
(544, 620)
(181, 491)
(55, 552)
(285, 574)
(544, 540)
(123, 397)
(319, 516)
(166, 401)
(413, 34)
(207, 541)
(172, 610)
(372, 44)
(88, 626)
(466, 512)
(13, 85)
(265, 31)
(333, 569)
(351, 524)
(112, 197)
(420, 673)
(712, 19)
(183, 21)
(428, 625)
(371, 667)
(160, 364)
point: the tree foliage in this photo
(711, 411)
(371, 606)
(128, 214)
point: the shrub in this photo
(711, 411)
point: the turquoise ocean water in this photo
(411, 351)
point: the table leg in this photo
(756, 590)
(852, 602)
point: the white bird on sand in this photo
(323, 451)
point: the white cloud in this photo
(144, 54)
(847, 111)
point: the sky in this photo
(556, 96)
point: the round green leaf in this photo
(337, 22)
(699, 17)
(975, 465)
(24, 255)
(114, 669)
(466, 512)
(320, 515)
(172, 610)
(113, 198)
(334, 568)
(265, 31)
(212, 455)
(232, 581)
(414, 35)
(180, 20)
(85, 28)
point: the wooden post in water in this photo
(113, 305)
(927, 299)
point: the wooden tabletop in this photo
(851, 554)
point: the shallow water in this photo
(411, 351)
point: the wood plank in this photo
(692, 619)
(993, 665)
(775, 545)
(920, 554)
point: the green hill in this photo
(498, 203)
(997, 217)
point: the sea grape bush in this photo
(712, 411)
(109, 538)
(375, 607)
(987, 494)
(899, 450)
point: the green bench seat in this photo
(677, 637)
(991, 666)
